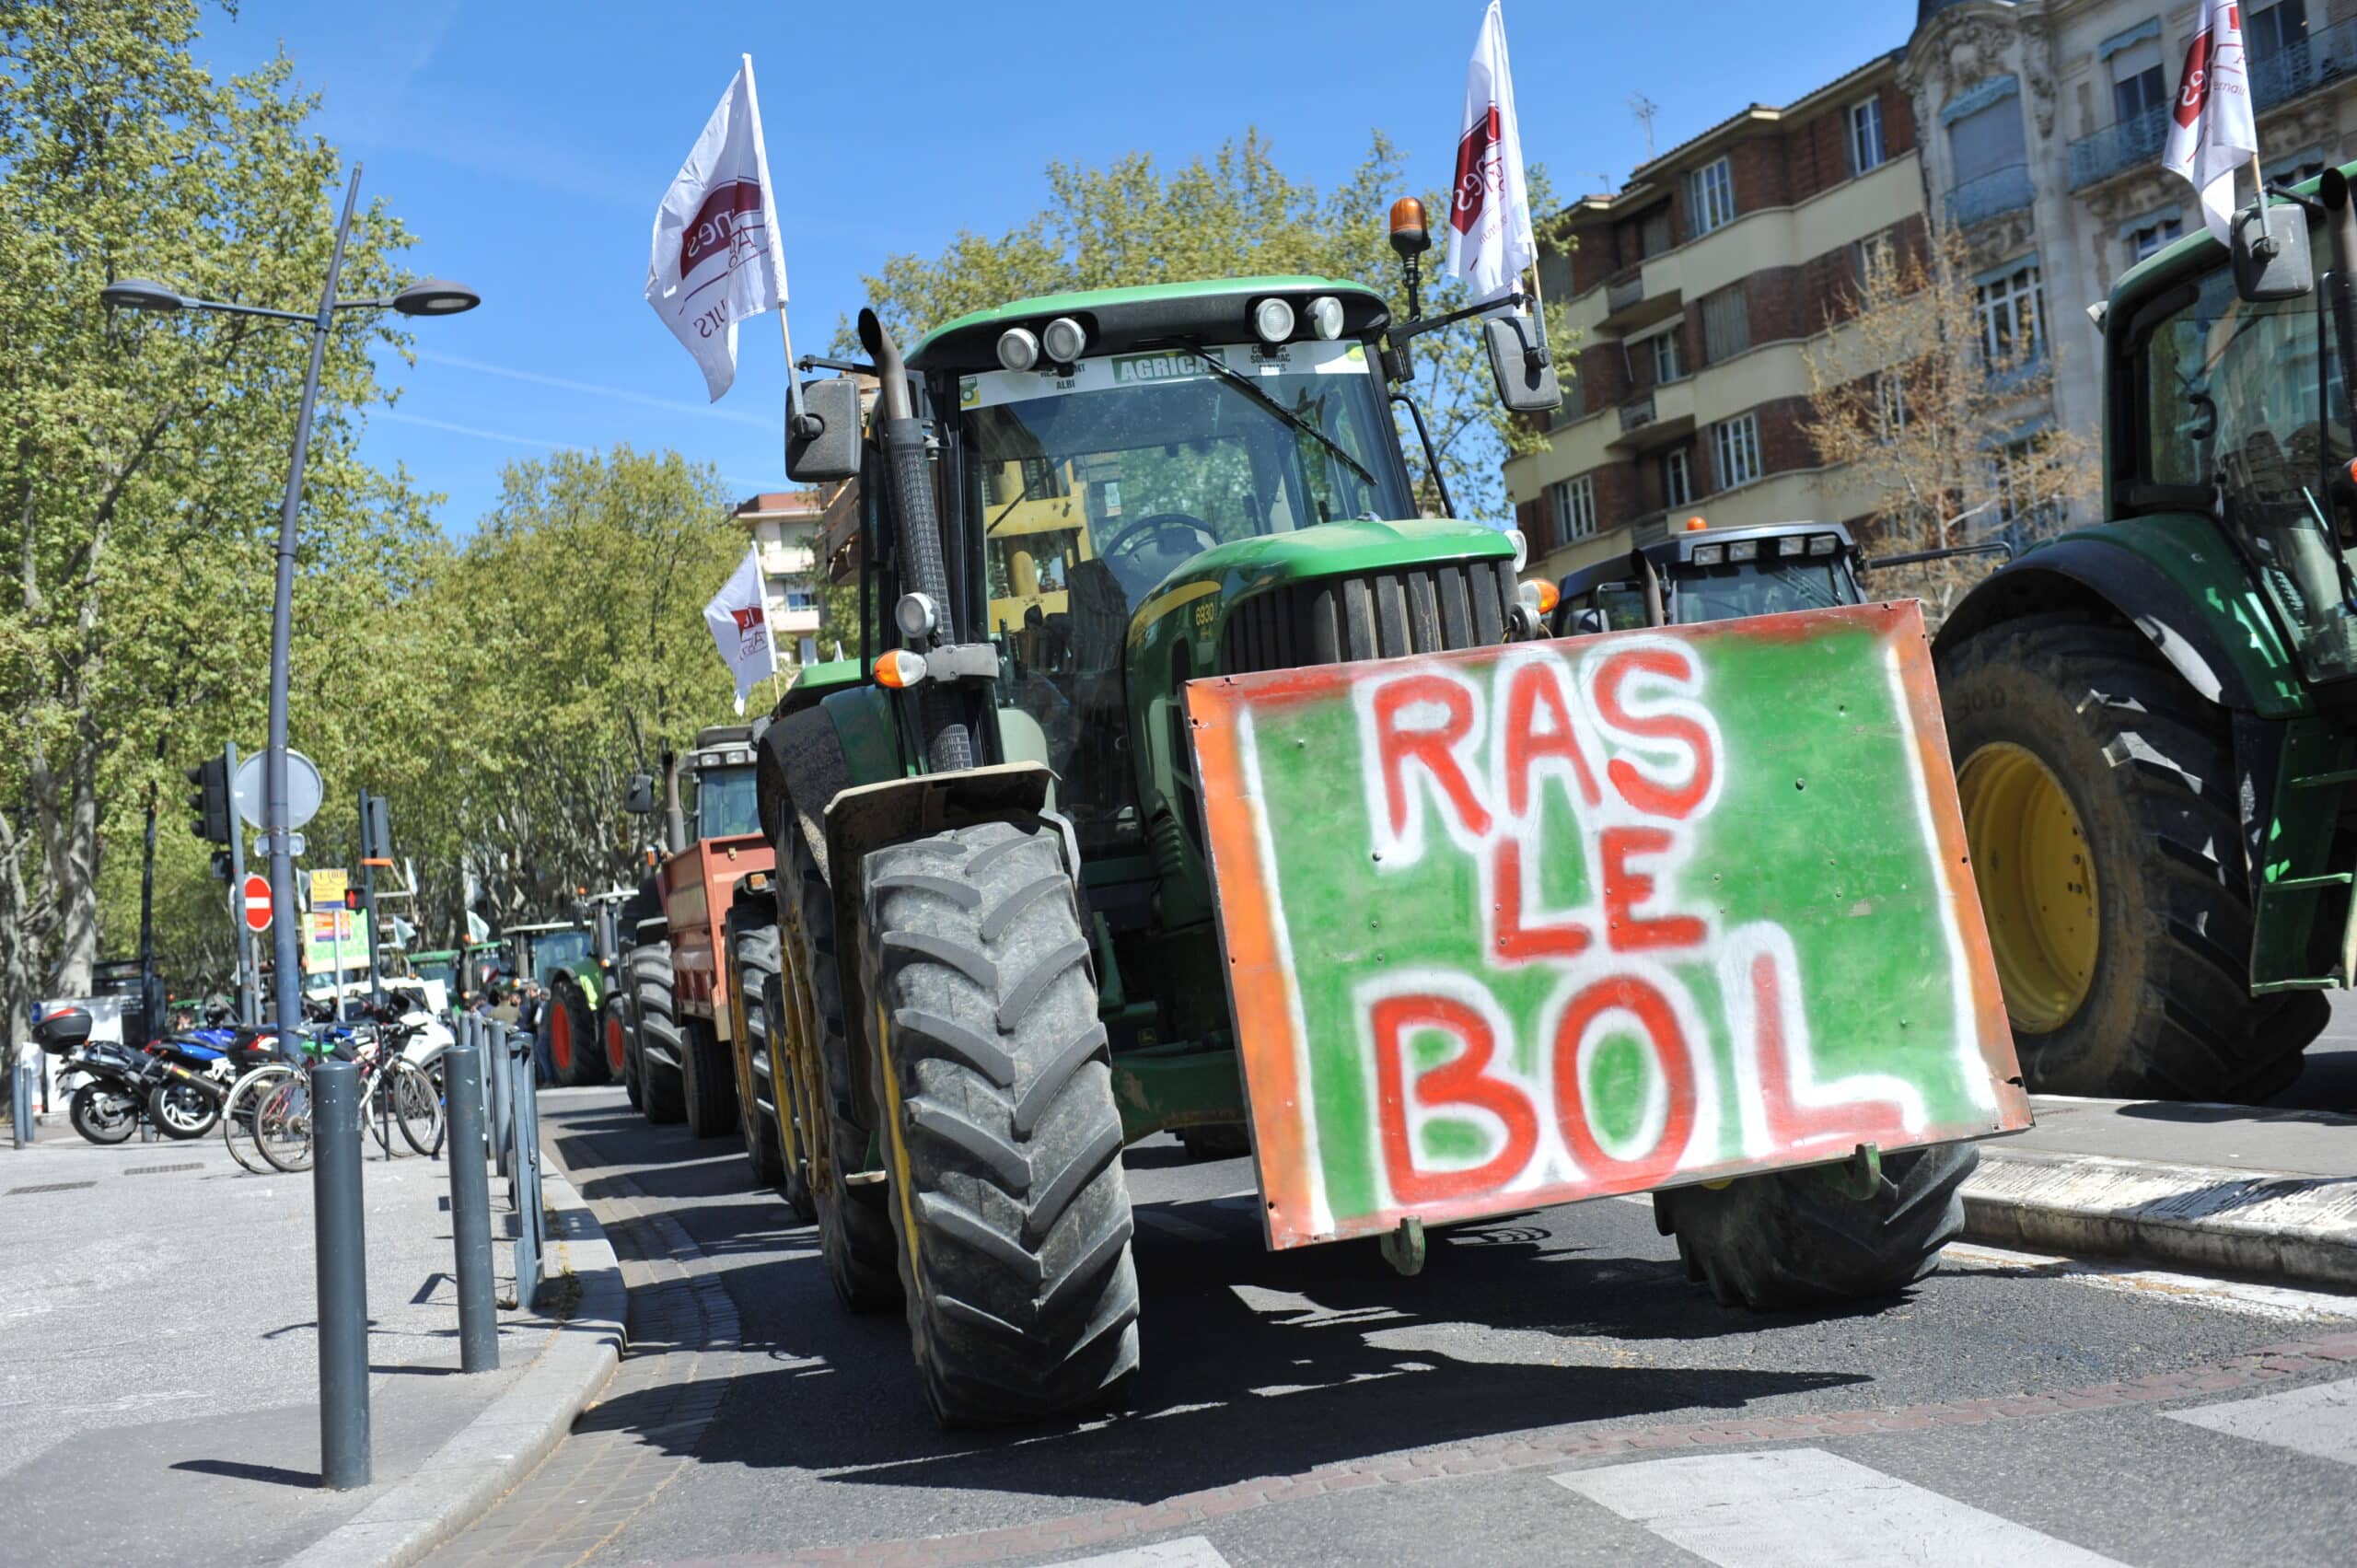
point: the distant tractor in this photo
(2154, 719)
(680, 1061)
(1188, 781)
(559, 957)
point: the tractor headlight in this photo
(1521, 547)
(1064, 339)
(1710, 554)
(1326, 316)
(1273, 319)
(1744, 550)
(916, 617)
(1017, 348)
(1821, 544)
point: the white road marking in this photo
(1807, 1508)
(2320, 1420)
(2279, 1304)
(1187, 1551)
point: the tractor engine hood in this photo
(1341, 590)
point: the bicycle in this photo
(393, 1090)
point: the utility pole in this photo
(151, 990)
(376, 848)
(248, 981)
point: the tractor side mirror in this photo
(638, 795)
(1521, 366)
(829, 452)
(2271, 253)
(61, 1032)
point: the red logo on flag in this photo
(748, 621)
(721, 224)
(1477, 171)
(2193, 89)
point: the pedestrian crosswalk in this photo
(2319, 1420)
(1807, 1508)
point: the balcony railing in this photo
(2316, 59)
(2115, 149)
(2007, 190)
(1636, 413)
(1622, 292)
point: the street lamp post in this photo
(337, 1230)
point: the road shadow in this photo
(238, 1469)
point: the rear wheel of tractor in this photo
(707, 1081)
(572, 1034)
(752, 965)
(2099, 807)
(658, 1032)
(1793, 1239)
(854, 1228)
(1008, 1194)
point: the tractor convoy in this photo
(1187, 780)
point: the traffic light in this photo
(352, 897)
(376, 829)
(220, 865)
(211, 801)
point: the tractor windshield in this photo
(1091, 488)
(2230, 396)
(1760, 588)
(567, 950)
(723, 803)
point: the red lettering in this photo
(1519, 943)
(1532, 689)
(1653, 1011)
(1459, 1080)
(1625, 887)
(1647, 794)
(1789, 1121)
(1435, 748)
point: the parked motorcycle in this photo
(105, 1108)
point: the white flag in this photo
(739, 618)
(715, 261)
(2212, 133)
(1489, 239)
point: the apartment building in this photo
(2044, 125)
(785, 529)
(1693, 289)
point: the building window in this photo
(1865, 135)
(1734, 450)
(2010, 309)
(2016, 477)
(2139, 86)
(1871, 257)
(1668, 364)
(1988, 141)
(2276, 29)
(1677, 482)
(1890, 405)
(1726, 324)
(1574, 501)
(1653, 235)
(1710, 198)
(2146, 239)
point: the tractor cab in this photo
(1703, 573)
(717, 783)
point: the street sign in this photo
(303, 791)
(1527, 925)
(328, 886)
(255, 892)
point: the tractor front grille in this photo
(1418, 609)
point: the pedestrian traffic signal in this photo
(211, 801)
(221, 870)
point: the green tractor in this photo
(559, 957)
(1015, 923)
(2155, 719)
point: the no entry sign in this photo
(255, 893)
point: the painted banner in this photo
(1527, 925)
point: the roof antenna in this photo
(1643, 108)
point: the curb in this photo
(490, 1454)
(2275, 1225)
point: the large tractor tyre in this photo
(659, 1038)
(793, 1125)
(1793, 1239)
(1005, 1141)
(2099, 807)
(572, 1034)
(707, 1081)
(752, 968)
(854, 1227)
(613, 1038)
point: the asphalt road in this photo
(2328, 1079)
(1551, 1390)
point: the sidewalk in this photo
(2245, 1189)
(158, 1358)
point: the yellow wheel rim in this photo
(2037, 883)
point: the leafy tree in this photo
(140, 512)
(1237, 214)
(1923, 402)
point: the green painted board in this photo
(1535, 923)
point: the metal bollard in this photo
(340, 1239)
(471, 1211)
(502, 1082)
(526, 1188)
(20, 1099)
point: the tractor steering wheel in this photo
(1146, 528)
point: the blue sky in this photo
(526, 146)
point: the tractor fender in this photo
(868, 816)
(2089, 573)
